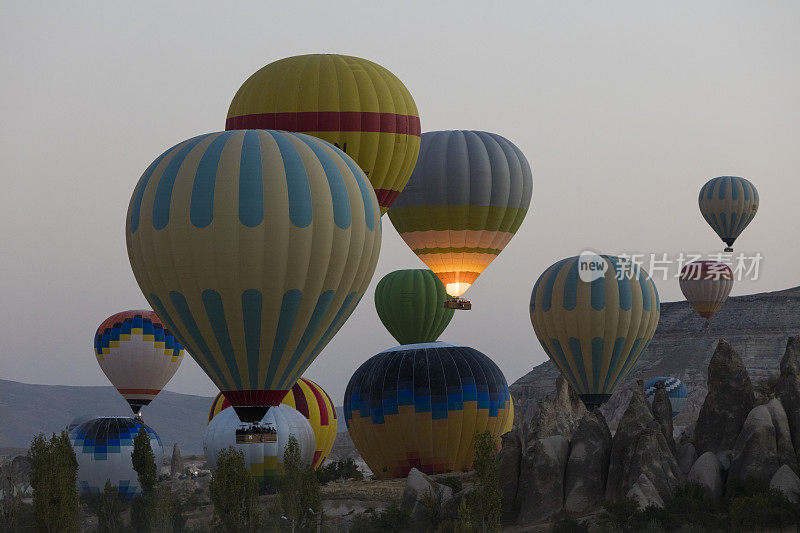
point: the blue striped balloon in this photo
(676, 390)
(729, 204)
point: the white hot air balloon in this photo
(103, 448)
(706, 285)
(138, 354)
(262, 450)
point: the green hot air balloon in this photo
(594, 316)
(253, 247)
(409, 303)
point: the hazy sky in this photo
(624, 109)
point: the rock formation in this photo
(559, 414)
(417, 486)
(730, 398)
(788, 388)
(540, 490)
(176, 463)
(587, 466)
(707, 472)
(639, 449)
(786, 481)
(662, 412)
(687, 455)
(510, 456)
(755, 454)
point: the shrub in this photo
(233, 493)
(454, 482)
(770, 509)
(335, 470)
(569, 524)
(393, 518)
(692, 505)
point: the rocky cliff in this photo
(756, 325)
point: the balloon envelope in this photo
(466, 198)
(137, 354)
(421, 405)
(351, 102)
(254, 247)
(594, 331)
(706, 285)
(410, 305)
(729, 204)
(311, 401)
(103, 448)
(676, 390)
(264, 460)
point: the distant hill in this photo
(26, 410)
(756, 325)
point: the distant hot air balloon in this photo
(313, 403)
(254, 247)
(706, 285)
(420, 406)
(351, 102)
(464, 202)
(728, 204)
(409, 303)
(594, 316)
(137, 354)
(676, 391)
(103, 448)
(263, 456)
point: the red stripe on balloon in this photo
(328, 121)
(300, 402)
(386, 197)
(323, 407)
(244, 398)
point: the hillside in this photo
(756, 325)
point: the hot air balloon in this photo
(103, 448)
(676, 391)
(706, 285)
(137, 354)
(254, 247)
(313, 403)
(420, 406)
(409, 303)
(465, 200)
(728, 204)
(510, 418)
(351, 102)
(594, 316)
(263, 451)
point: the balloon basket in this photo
(457, 303)
(728, 249)
(255, 433)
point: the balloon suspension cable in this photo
(728, 249)
(453, 302)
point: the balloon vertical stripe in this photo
(251, 186)
(216, 317)
(163, 196)
(202, 202)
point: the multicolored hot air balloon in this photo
(262, 456)
(254, 247)
(137, 354)
(676, 391)
(409, 303)
(103, 448)
(466, 198)
(728, 204)
(706, 285)
(420, 406)
(312, 402)
(594, 316)
(351, 102)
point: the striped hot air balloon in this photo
(312, 402)
(409, 303)
(729, 204)
(137, 354)
(351, 102)
(420, 406)
(706, 285)
(676, 390)
(254, 247)
(594, 316)
(466, 198)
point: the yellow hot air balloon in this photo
(466, 198)
(729, 204)
(312, 402)
(351, 102)
(594, 316)
(254, 247)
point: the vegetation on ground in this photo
(234, 495)
(53, 478)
